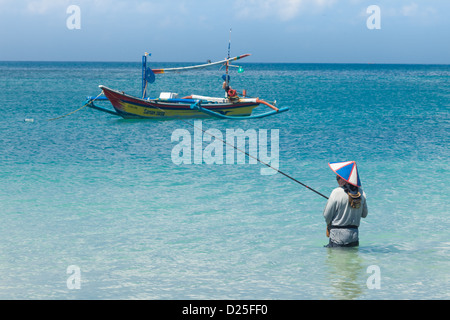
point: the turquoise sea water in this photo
(102, 193)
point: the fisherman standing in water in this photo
(345, 207)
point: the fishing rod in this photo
(260, 161)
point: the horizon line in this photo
(113, 61)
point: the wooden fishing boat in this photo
(233, 105)
(169, 106)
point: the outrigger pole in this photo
(197, 106)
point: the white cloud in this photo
(45, 6)
(409, 10)
(290, 9)
(282, 9)
(419, 13)
(42, 7)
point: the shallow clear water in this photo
(102, 193)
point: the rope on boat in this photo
(85, 105)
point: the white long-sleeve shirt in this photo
(338, 212)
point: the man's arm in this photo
(329, 211)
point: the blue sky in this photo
(304, 31)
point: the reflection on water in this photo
(375, 249)
(347, 273)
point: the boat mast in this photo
(144, 75)
(227, 78)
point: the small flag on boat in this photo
(347, 170)
(150, 76)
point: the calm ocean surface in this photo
(102, 193)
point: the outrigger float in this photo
(168, 105)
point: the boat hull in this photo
(130, 107)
